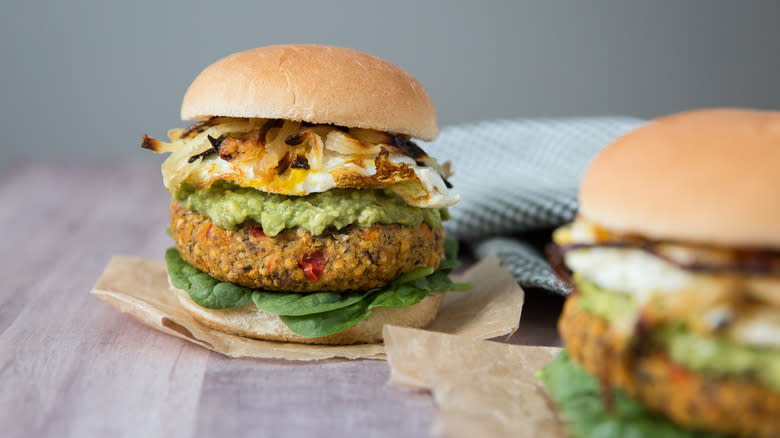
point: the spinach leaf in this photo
(412, 275)
(450, 254)
(205, 290)
(401, 295)
(295, 304)
(578, 396)
(439, 282)
(327, 323)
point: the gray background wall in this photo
(81, 79)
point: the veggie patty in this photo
(351, 259)
(721, 404)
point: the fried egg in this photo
(431, 191)
(295, 159)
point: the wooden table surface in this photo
(72, 366)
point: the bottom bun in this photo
(252, 322)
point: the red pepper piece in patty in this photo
(256, 232)
(312, 264)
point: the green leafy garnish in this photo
(401, 295)
(322, 313)
(414, 274)
(327, 323)
(578, 396)
(204, 289)
(295, 304)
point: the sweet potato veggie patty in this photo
(353, 258)
(728, 405)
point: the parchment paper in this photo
(483, 389)
(139, 288)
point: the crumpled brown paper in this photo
(139, 288)
(484, 389)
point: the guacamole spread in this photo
(714, 355)
(609, 305)
(228, 205)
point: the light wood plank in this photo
(328, 398)
(69, 363)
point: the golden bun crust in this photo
(708, 176)
(318, 84)
(251, 322)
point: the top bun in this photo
(317, 84)
(708, 176)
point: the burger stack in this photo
(301, 209)
(675, 262)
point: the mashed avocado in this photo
(609, 305)
(228, 205)
(714, 355)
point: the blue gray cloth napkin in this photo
(517, 178)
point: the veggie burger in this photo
(301, 208)
(675, 260)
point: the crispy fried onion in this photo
(189, 151)
(367, 142)
(387, 173)
(689, 256)
(259, 150)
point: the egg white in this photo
(299, 182)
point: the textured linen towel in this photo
(517, 178)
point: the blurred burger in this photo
(301, 208)
(675, 262)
